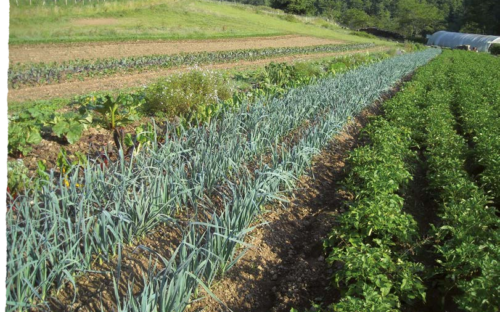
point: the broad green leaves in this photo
(449, 112)
(69, 128)
(115, 112)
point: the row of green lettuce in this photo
(192, 97)
(46, 73)
(377, 243)
(58, 231)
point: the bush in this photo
(413, 47)
(307, 69)
(362, 34)
(495, 49)
(182, 94)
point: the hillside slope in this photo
(159, 19)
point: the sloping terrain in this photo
(160, 19)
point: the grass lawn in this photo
(158, 19)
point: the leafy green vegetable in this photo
(115, 112)
(22, 137)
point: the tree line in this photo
(409, 17)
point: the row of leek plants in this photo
(476, 91)
(469, 234)
(276, 177)
(59, 231)
(43, 73)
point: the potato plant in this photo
(375, 235)
(429, 116)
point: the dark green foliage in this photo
(70, 128)
(114, 112)
(374, 235)
(495, 49)
(457, 91)
(412, 17)
(301, 7)
(355, 18)
(24, 130)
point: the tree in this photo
(355, 18)
(301, 7)
(416, 17)
(482, 15)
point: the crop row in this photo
(291, 160)
(374, 240)
(192, 97)
(469, 233)
(374, 236)
(105, 206)
(476, 98)
(465, 240)
(42, 73)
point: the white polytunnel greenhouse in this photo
(453, 40)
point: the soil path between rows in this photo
(286, 266)
(93, 50)
(133, 80)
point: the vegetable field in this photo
(205, 181)
(443, 129)
(271, 162)
(46, 73)
(41, 130)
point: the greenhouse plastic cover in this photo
(453, 39)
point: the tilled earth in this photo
(137, 79)
(36, 53)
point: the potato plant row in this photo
(465, 240)
(101, 208)
(468, 237)
(476, 98)
(45, 73)
(374, 238)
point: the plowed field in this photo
(94, 50)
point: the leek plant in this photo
(104, 207)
